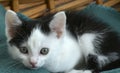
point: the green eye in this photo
(24, 50)
(44, 51)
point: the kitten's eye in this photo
(44, 51)
(24, 50)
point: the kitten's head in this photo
(34, 42)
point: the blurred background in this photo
(36, 8)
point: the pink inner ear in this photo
(11, 32)
(59, 30)
(59, 34)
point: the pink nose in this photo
(33, 64)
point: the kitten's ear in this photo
(58, 24)
(11, 21)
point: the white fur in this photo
(86, 43)
(64, 56)
(34, 45)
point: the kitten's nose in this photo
(33, 64)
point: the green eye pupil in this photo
(24, 50)
(44, 51)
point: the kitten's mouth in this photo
(32, 67)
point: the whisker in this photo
(12, 65)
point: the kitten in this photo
(69, 42)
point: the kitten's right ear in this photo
(58, 24)
(11, 21)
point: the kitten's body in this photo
(75, 41)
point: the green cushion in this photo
(106, 14)
(7, 65)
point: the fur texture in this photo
(75, 42)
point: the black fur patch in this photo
(23, 31)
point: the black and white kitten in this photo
(69, 42)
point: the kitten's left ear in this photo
(11, 21)
(58, 24)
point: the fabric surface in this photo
(7, 65)
(106, 14)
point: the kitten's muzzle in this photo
(33, 64)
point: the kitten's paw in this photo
(74, 71)
(87, 71)
(80, 71)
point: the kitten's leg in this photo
(93, 64)
(79, 71)
(113, 65)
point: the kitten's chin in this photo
(33, 67)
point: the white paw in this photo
(87, 71)
(80, 71)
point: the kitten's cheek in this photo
(26, 64)
(40, 64)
